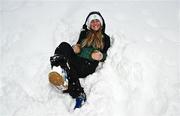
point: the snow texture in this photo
(141, 76)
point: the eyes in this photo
(95, 21)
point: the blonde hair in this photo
(94, 39)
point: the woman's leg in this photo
(74, 88)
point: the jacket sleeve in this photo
(81, 36)
(106, 47)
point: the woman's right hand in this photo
(76, 48)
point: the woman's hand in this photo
(76, 48)
(97, 55)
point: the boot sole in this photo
(56, 79)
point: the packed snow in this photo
(141, 76)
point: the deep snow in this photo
(141, 76)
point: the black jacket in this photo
(106, 38)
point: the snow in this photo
(141, 76)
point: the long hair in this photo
(94, 39)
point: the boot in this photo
(80, 100)
(58, 78)
(58, 60)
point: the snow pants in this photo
(79, 68)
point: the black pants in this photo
(79, 68)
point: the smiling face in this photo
(95, 25)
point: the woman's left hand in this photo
(97, 55)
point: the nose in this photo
(95, 23)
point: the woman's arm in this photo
(106, 47)
(77, 46)
(82, 35)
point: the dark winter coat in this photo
(86, 51)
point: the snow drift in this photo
(139, 78)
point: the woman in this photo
(81, 59)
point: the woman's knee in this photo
(65, 49)
(65, 44)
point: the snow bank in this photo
(139, 78)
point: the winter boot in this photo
(58, 60)
(59, 72)
(58, 78)
(80, 100)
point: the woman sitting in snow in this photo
(70, 63)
